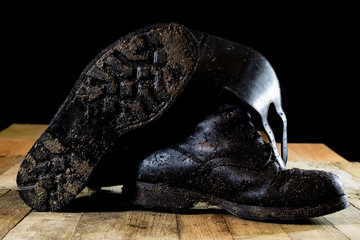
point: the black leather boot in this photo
(225, 162)
(129, 85)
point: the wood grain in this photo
(12, 211)
(313, 152)
(316, 228)
(23, 131)
(352, 168)
(10, 147)
(3, 191)
(127, 225)
(7, 162)
(8, 178)
(203, 226)
(247, 229)
(346, 221)
(45, 225)
(355, 202)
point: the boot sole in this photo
(164, 197)
(129, 84)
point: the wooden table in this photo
(18, 221)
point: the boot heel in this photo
(164, 197)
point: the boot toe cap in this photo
(310, 187)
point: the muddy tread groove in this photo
(130, 83)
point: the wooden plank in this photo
(12, 210)
(23, 131)
(127, 225)
(313, 152)
(151, 225)
(45, 225)
(17, 139)
(100, 225)
(347, 221)
(355, 202)
(7, 161)
(8, 178)
(203, 226)
(294, 156)
(9, 146)
(3, 191)
(246, 229)
(316, 228)
(351, 167)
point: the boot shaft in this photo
(228, 132)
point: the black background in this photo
(313, 49)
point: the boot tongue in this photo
(228, 136)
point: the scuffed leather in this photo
(225, 156)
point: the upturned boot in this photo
(130, 84)
(224, 162)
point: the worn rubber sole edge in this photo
(165, 197)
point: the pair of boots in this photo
(166, 111)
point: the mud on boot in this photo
(129, 84)
(225, 162)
